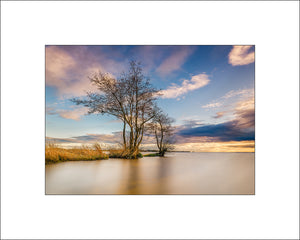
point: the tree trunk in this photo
(131, 139)
(162, 153)
(124, 134)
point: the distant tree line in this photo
(132, 99)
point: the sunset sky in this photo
(208, 90)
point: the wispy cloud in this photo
(242, 93)
(212, 105)
(89, 138)
(75, 113)
(175, 60)
(68, 68)
(234, 93)
(245, 115)
(149, 55)
(193, 122)
(106, 138)
(240, 55)
(175, 90)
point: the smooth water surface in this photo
(177, 173)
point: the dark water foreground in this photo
(177, 173)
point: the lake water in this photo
(177, 173)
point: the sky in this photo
(207, 90)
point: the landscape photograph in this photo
(150, 119)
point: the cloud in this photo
(75, 113)
(227, 131)
(245, 115)
(241, 93)
(50, 111)
(241, 128)
(233, 93)
(149, 55)
(240, 55)
(219, 114)
(193, 122)
(212, 105)
(88, 138)
(106, 138)
(196, 82)
(68, 68)
(175, 60)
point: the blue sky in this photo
(208, 90)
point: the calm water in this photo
(177, 173)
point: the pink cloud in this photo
(175, 61)
(68, 68)
(75, 113)
(240, 55)
(149, 55)
(219, 114)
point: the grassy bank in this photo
(55, 154)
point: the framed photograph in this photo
(135, 120)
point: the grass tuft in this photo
(55, 154)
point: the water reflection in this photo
(177, 173)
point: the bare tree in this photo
(161, 128)
(130, 98)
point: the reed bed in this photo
(55, 154)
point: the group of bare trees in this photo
(161, 128)
(132, 99)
